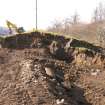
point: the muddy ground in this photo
(25, 81)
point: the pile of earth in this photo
(49, 70)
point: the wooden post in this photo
(36, 16)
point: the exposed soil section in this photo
(51, 71)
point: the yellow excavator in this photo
(12, 27)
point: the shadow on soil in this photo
(77, 95)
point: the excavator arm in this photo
(13, 26)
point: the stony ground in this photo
(24, 81)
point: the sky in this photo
(22, 12)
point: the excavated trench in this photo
(43, 69)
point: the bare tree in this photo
(99, 13)
(95, 15)
(65, 25)
(75, 19)
(56, 27)
(67, 22)
(101, 36)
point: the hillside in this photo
(39, 68)
(87, 32)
